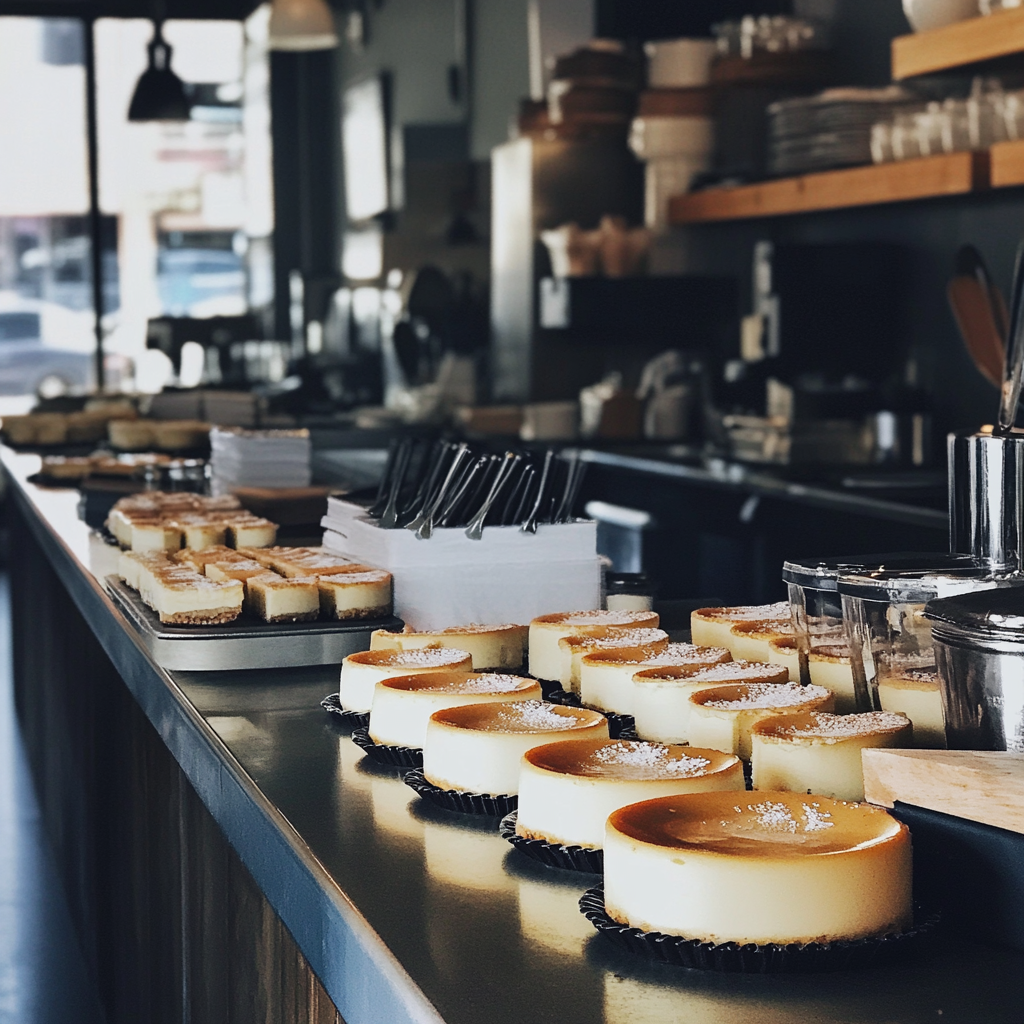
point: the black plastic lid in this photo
(824, 573)
(983, 615)
(901, 587)
(629, 583)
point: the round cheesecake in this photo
(784, 650)
(606, 677)
(491, 647)
(915, 693)
(402, 706)
(815, 752)
(547, 630)
(721, 717)
(829, 666)
(361, 672)
(751, 640)
(568, 789)
(478, 748)
(768, 868)
(661, 696)
(613, 638)
(711, 627)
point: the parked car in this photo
(32, 358)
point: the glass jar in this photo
(893, 656)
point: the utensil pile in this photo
(433, 484)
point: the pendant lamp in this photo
(159, 94)
(301, 25)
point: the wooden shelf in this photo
(946, 175)
(959, 45)
(1007, 164)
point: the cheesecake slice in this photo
(772, 867)
(568, 789)
(711, 627)
(356, 595)
(361, 672)
(183, 596)
(492, 647)
(273, 598)
(249, 531)
(613, 638)
(402, 706)
(721, 717)
(310, 562)
(751, 640)
(200, 559)
(478, 748)
(815, 752)
(829, 666)
(915, 692)
(199, 529)
(547, 630)
(154, 535)
(241, 569)
(606, 677)
(785, 650)
(661, 696)
(132, 564)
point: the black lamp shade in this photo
(159, 94)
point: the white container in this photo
(506, 576)
(679, 63)
(653, 138)
(664, 179)
(925, 15)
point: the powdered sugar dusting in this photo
(728, 672)
(687, 654)
(527, 715)
(744, 613)
(767, 695)
(634, 759)
(819, 725)
(600, 617)
(491, 682)
(620, 638)
(427, 657)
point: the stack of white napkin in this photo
(259, 458)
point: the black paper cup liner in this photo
(569, 858)
(332, 703)
(772, 958)
(620, 727)
(549, 686)
(383, 753)
(459, 800)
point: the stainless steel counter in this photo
(722, 474)
(407, 914)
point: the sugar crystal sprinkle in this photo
(655, 757)
(769, 695)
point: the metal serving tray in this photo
(245, 643)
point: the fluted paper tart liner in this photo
(459, 800)
(771, 958)
(332, 703)
(620, 727)
(555, 855)
(384, 753)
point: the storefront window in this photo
(186, 207)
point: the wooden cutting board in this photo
(983, 786)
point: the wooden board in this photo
(955, 46)
(1007, 164)
(945, 175)
(981, 786)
